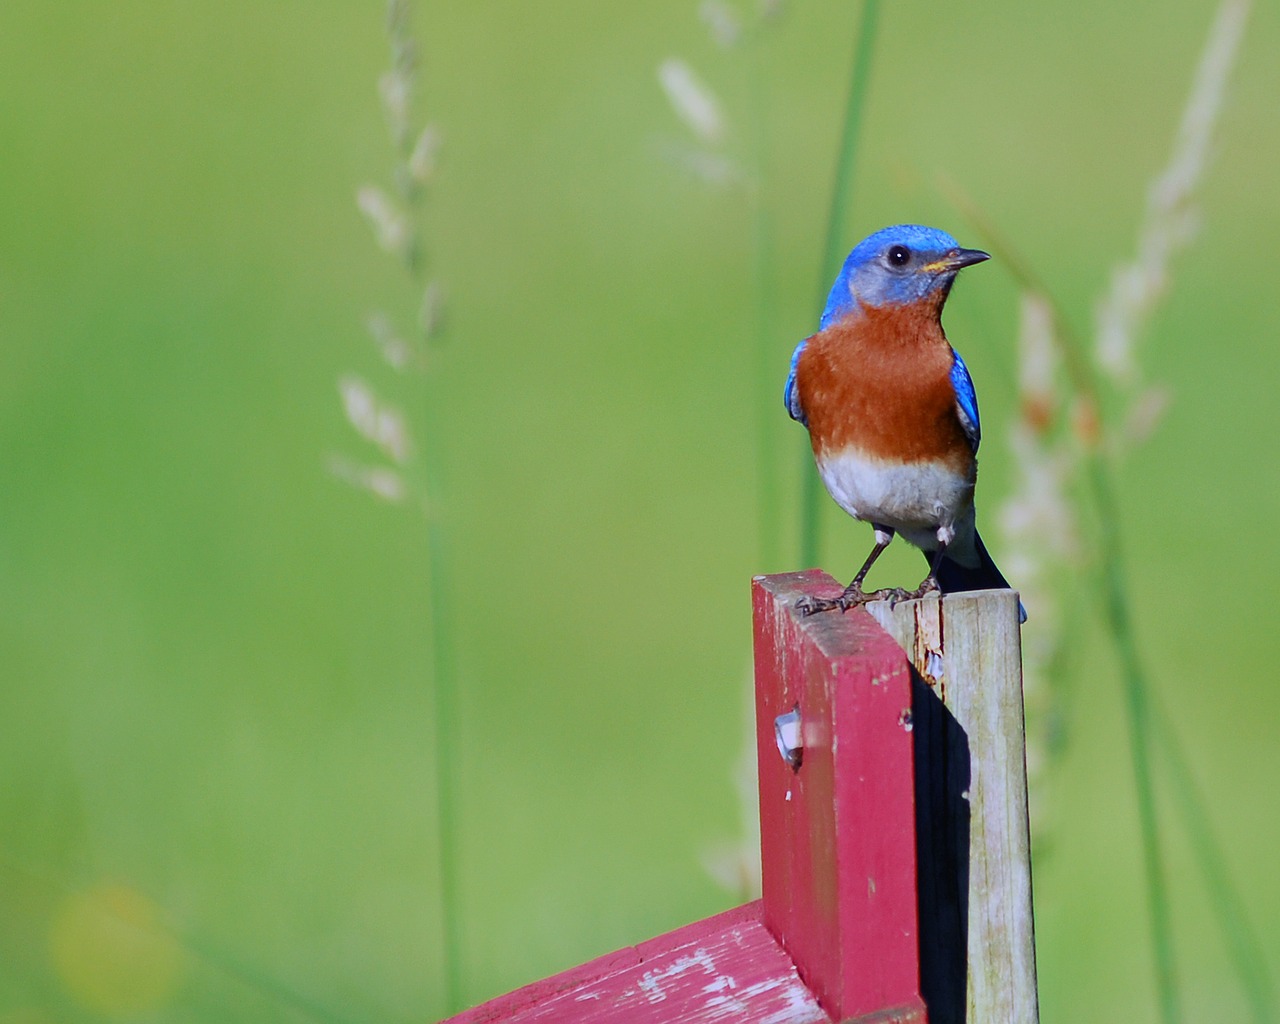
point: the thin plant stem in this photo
(768, 511)
(433, 493)
(258, 981)
(1125, 311)
(443, 656)
(445, 724)
(837, 216)
(1242, 943)
(1225, 899)
(1117, 611)
(1133, 675)
(1084, 380)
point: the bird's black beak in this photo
(950, 262)
(958, 258)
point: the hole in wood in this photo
(787, 730)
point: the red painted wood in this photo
(835, 936)
(727, 968)
(838, 833)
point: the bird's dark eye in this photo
(899, 256)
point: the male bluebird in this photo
(891, 410)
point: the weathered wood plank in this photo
(837, 832)
(975, 852)
(723, 970)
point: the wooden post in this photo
(837, 820)
(974, 850)
(889, 796)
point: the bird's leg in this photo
(853, 593)
(929, 585)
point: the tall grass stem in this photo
(1119, 622)
(1118, 618)
(1224, 897)
(837, 218)
(768, 510)
(415, 152)
(445, 725)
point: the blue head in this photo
(898, 266)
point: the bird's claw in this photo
(893, 595)
(807, 606)
(929, 586)
(852, 597)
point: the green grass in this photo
(216, 658)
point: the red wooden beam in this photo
(834, 938)
(725, 969)
(838, 831)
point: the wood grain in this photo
(975, 847)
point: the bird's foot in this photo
(851, 598)
(891, 594)
(807, 606)
(929, 586)
(855, 595)
(896, 594)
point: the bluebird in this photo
(891, 410)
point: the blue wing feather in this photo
(966, 400)
(789, 395)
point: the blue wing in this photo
(789, 395)
(966, 400)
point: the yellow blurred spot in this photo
(112, 952)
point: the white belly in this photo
(917, 499)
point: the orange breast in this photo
(880, 381)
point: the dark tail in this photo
(954, 578)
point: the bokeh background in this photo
(217, 788)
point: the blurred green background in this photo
(216, 772)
